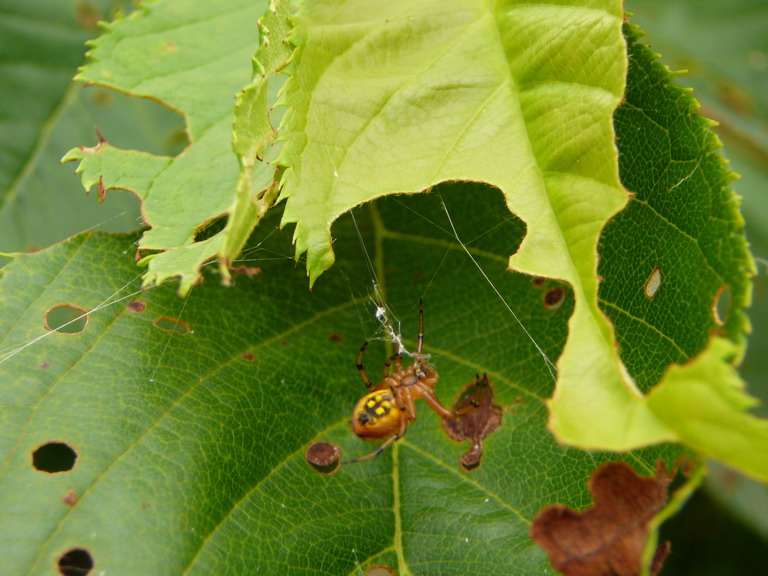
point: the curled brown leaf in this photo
(607, 539)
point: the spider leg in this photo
(360, 368)
(391, 440)
(398, 359)
(421, 327)
(434, 402)
(405, 401)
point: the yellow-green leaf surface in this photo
(401, 96)
(193, 57)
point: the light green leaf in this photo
(352, 135)
(253, 131)
(380, 102)
(343, 123)
(705, 402)
(192, 56)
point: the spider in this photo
(384, 413)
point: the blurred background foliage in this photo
(723, 45)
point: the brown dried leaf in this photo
(608, 538)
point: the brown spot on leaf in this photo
(653, 283)
(88, 16)
(324, 457)
(137, 306)
(101, 190)
(334, 337)
(608, 538)
(721, 304)
(479, 417)
(94, 149)
(170, 324)
(70, 498)
(249, 357)
(380, 570)
(554, 298)
(249, 271)
(538, 281)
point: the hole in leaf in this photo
(721, 304)
(75, 562)
(653, 283)
(380, 570)
(554, 298)
(137, 306)
(324, 457)
(66, 319)
(54, 457)
(169, 324)
(211, 228)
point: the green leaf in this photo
(191, 441)
(705, 403)
(192, 56)
(253, 131)
(39, 77)
(699, 256)
(723, 47)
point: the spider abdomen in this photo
(377, 416)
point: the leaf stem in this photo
(675, 504)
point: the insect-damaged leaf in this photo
(479, 417)
(607, 539)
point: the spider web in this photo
(384, 314)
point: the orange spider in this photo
(386, 411)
